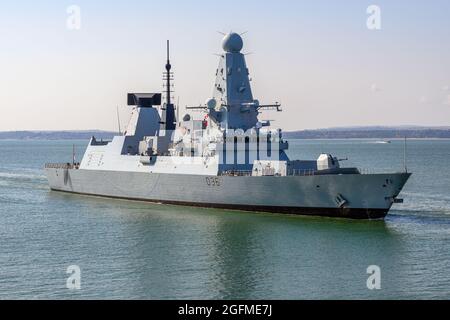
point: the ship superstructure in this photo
(226, 159)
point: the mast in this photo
(168, 109)
(168, 75)
(404, 156)
(118, 120)
(73, 154)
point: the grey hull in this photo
(367, 196)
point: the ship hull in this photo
(357, 196)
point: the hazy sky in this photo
(317, 58)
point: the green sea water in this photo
(136, 250)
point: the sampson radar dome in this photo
(232, 42)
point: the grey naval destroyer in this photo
(225, 157)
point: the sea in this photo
(62, 246)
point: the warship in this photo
(221, 155)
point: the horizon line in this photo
(404, 127)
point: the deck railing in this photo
(230, 173)
(246, 173)
(62, 165)
(297, 172)
(378, 170)
(237, 173)
(301, 172)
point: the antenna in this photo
(73, 154)
(118, 120)
(168, 121)
(178, 109)
(168, 67)
(404, 156)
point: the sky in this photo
(317, 58)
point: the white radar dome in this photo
(232, 42)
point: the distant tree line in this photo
(338, 133)
(56, 135)
(368, 134)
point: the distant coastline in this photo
(372, 133)
(411, 132)
(56, 135)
